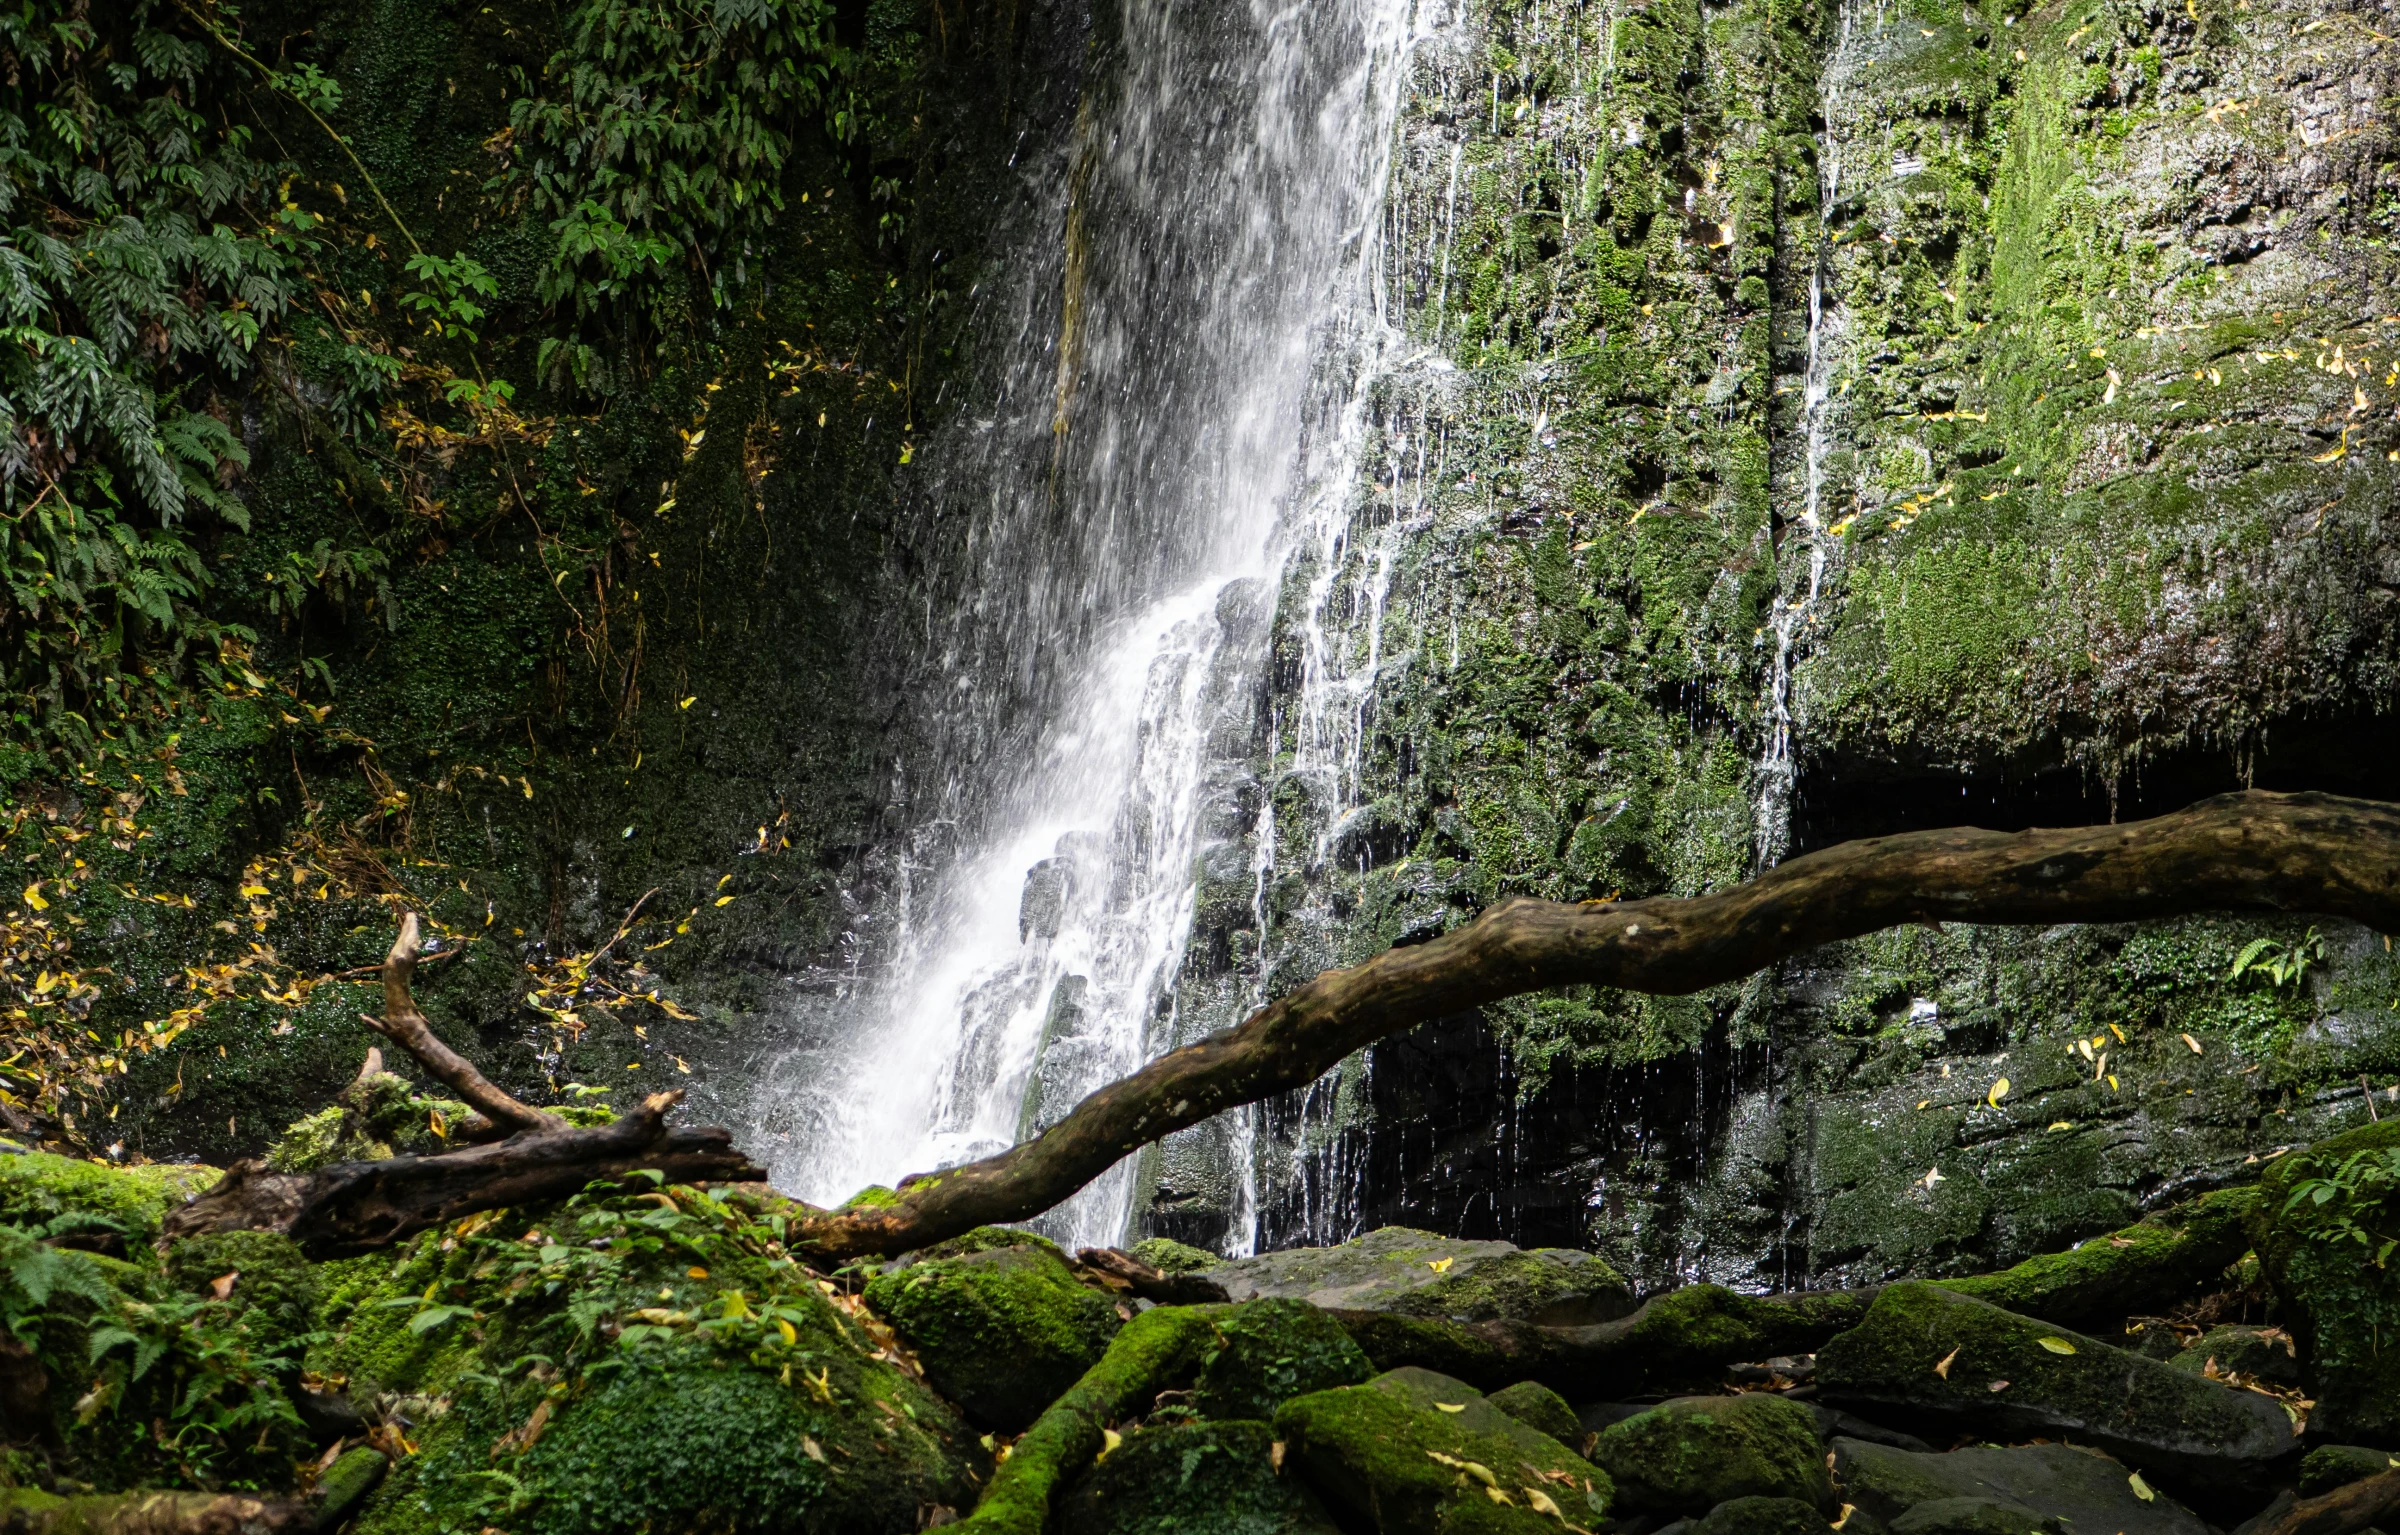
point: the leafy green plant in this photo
(2282, 963)
(2357, 1202)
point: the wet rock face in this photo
(1416, 1453)
(1688, 1455)
(2030, 1483)
(1001, 1331)
(1925, 1350)
(1417, 1273)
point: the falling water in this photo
(1112, 512)
(1826, 333)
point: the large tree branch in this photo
(405, 1025)
(2258, 852)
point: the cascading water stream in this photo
(1120, 509)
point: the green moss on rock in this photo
(2146, 1267)
(1687, 1455)
(1416, 1273)
(37, 1187)
(1193, 1479)
(273, 1289)
(1170, 1256)
(1542, 1409)
(2338, 1465)
(1000, 1330)
(1415, 1453)
(2339, 1304)
(1761, 1516)
(1923, 1349)
(1271, 1351)
(2264, 1353)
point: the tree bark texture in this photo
(2311, 853)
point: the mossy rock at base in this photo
(1274, 1350)
(1169, 1256)
(1688, 1455)
(1001, 1331)
(1193, 1479)
(348, 1483)
(1542, 1409)
(2338, 1465)
(1925, 1350)
(1761, 1516)
(1416, 1273)
(639, 1362)
(1415, 1453)
(2087, 1489)
(2148, 1267)
(271, 1286)
(984, 1239)
(2263, 1352)
(37, 1187)
(2340, 1306)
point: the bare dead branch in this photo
(406, 1027)
(2309, 853)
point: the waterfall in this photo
(1107, 517)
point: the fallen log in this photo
(354, 1207)
(2311, 853)
(2344, 1511)
(26, 1511)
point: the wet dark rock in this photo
(1538, 1407)
(1193, 1479)
(2087, 1489)
(1923, 1349)
(1416, 1453)
(1416, 1273)
(1975, 1516)
(2338, 1465)
(2263, 1352)
(1760, 1516)
(1000, 1331)
(1687, 1455)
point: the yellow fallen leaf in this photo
(2112, 1081)
(1497, 1496)
(1847, 1510)
(2064, 1124)
(1998, 1092)
(1109, 1440)
(1482, 1474)
(686, 703)
(33, 897)
(255, 890)
(1924, 1102)
(1540, 1502)
(1932, 1177)
(2141, 1489)
(1943, 1369)
(696, 1272)
(790, 1336)
(2057, 1345)
(725, 900)
(1451, 1406)
(1440, 1265)
(2195, 1044)
(813, 1450)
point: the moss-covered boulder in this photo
(2146, 1267)
(1761, 1516)
(1173, 1257)
(636, 1360)
(266, 1282)
(1001, 1329)
(1688, 1455)
(1415, 1273)
(2338, 1465)
(38, 1189)
(1272, 1351)
(1542, 1409)
(1193, 1479)
(2341, 1305)
(2262, 1353)
(1415, 1453)
(1925, 1350)
(2084, 1488)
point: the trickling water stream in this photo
(1113, 521)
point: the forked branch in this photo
(2309, 853)
(404, 1024)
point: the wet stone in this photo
(1415, 1273)
(2088, 1490)
(2338, 1465)
(1538, 1407)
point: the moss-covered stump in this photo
(1761, 1516)
(1193, 1479)
(2147, 1267)
(2338, 1465)
(1688, 1455)
(1540, 1409)
(2083, 1487)
(2341, 1306)
(1924, 1350)
(1271, 1351)
(1415, 1273)
(1000, 1329)
(1415, 1453)
(643, 1360)
(2263, 1353)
